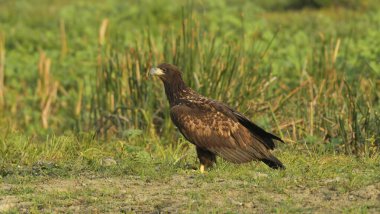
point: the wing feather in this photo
(266, 138)
(217, 130)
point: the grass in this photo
(81, 174)
(83, 127)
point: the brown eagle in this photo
(213, 127)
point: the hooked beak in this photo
(156, 72)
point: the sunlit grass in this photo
(312, 84)
(118, 175)
(84, 127)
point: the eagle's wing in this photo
(214, 127)
(265, 137)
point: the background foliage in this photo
(310, 75)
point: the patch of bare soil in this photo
(185, 192)
(8, 202)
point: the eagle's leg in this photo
(206, 158)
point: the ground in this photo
(311, 183)
(181, 192)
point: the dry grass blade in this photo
(291, 94)
(46, 89)
(102, 31)
(2, 71)
(336, 51)
(64, 48)
(78, 106)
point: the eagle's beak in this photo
(156, 72)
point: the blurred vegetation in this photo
(299, 4)
(310, 75)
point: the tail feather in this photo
(273, 162)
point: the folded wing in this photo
(219, 129)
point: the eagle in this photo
(214, 127)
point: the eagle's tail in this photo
(273, 162)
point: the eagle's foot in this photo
(202, 168)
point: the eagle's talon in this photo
(202, 168)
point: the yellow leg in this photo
(202, 168)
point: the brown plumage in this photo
(213, 127)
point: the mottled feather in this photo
(213, 126)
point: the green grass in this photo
(118, 176)
(83, 126)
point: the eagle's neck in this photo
(175, 91)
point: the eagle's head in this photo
(168, 73)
